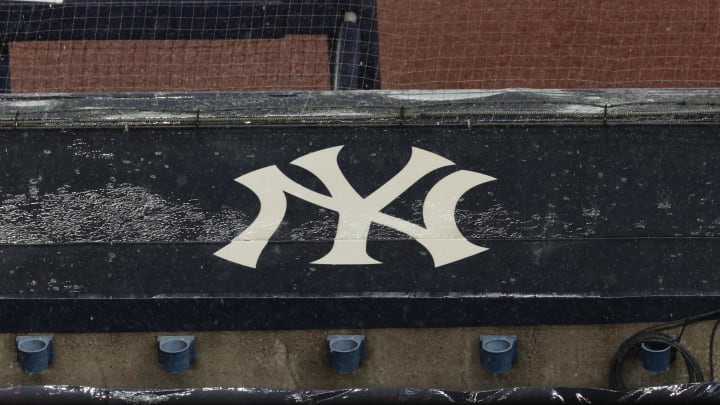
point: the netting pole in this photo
(353, 47)
(4, 67)
(347, 55)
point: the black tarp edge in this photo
(708, 392)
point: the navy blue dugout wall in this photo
(595, 207)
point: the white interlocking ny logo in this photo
(440, 236)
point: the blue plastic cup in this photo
(174, 355)
(33, 354)
(655, 357)
(497, 354)
(345, 354)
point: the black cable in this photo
(682, 330)
(712, 343)
(651, 335)
(692, 319)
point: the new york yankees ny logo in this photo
(440, 236)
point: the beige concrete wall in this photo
(437, 358)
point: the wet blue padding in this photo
(175, 353)
(346, 352)
(34, 353)
(507, 286)
(498, 353)
(655, 357)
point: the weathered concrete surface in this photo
(576, 356)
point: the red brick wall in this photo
(549, 43)
(293, 62)
(424, 44)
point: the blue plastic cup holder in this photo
(176, 352)
(174, 346)
(655, 356)
(346, 352)
(34, 353)
(498, 353)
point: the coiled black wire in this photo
(654, 335)
(712, 344)
(616, 382)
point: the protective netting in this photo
(549, 44)
(214, 45)
(293, 62)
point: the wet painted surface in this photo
(579, 211)
(604, 218)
